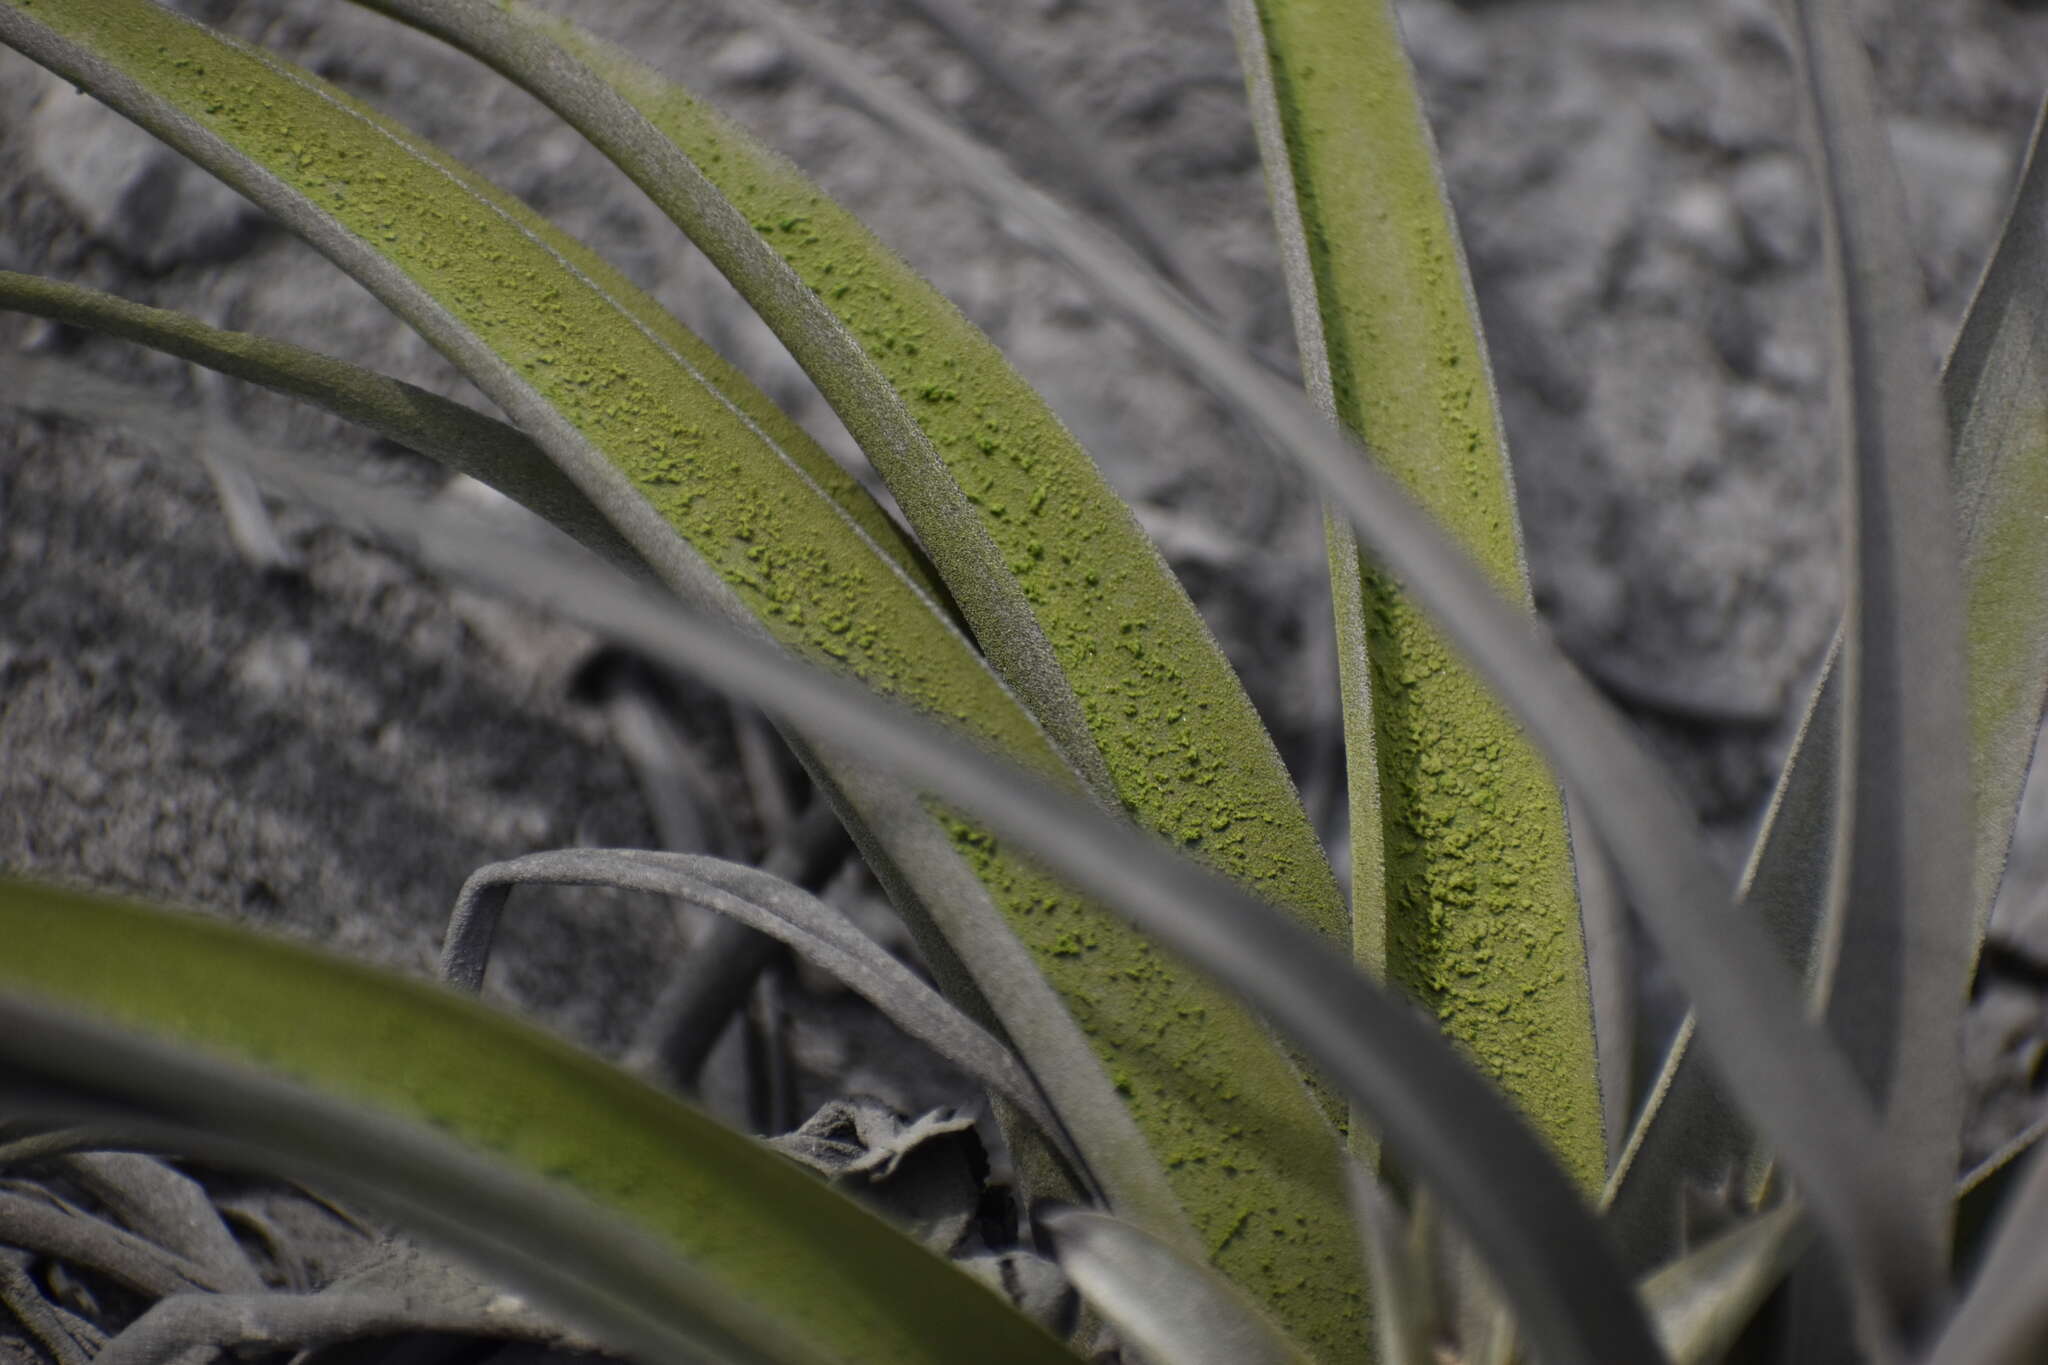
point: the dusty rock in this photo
(1779, 214)
(127, 189)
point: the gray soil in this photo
(312, 735)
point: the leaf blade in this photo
(982, 468)
(456, 436)
(765, 903)
(1443, 1122)
(1896, 993)
(407, 1049)
(1702, 1302)
(900, 829)
(1992, 385)
(1474, 842)
(1151, 697)
(587, 369)
(1689, 1130)
(1990, 389)
(1780, 1067)
(1168, 1307)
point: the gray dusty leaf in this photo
(1170, 1309)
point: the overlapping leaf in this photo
(751, 1224)
(1072, 603)
(459, 437)
(602, 382)
(1168, 1307)
(1465, 890)
(1443, 1122)
(1992, 390)
(1783, 1072)
(1896, 986)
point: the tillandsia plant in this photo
(1235, 1133)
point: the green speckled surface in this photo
(751, 507)
(1480, 908)
(1247, 1150)
(1135, 652)
(754, 1220)
(1242, 1143)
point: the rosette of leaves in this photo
(1206, 1062)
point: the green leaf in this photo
(1465, 892)
(1785, 1072)
(785, 1245)
(1073, 605)
(459, 437)
(1996, 387)
(1993, 391)
(602, 381)
(1037, 1022)
(1442, 1121)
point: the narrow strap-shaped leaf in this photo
(1480, 915)
(1996, 387)
(587, 362)
(1689, 1130)
(1747, 1008)
(1401, 1318)
(577, 374)
(1704, 1300)
(609, 386)
(767, 904)
(463, 440)
(1170, 1309)
(459, 437)
(1233, 1091)
(715, 980)
(2003, 1318)
(897, 832)
(1896, 989)
(1029, 536)
(1792, 1079)
(1993, 388)
(755, 1228)
(1442, 1122)
(1612, 973)
(1984, 1193)
(875, 413)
